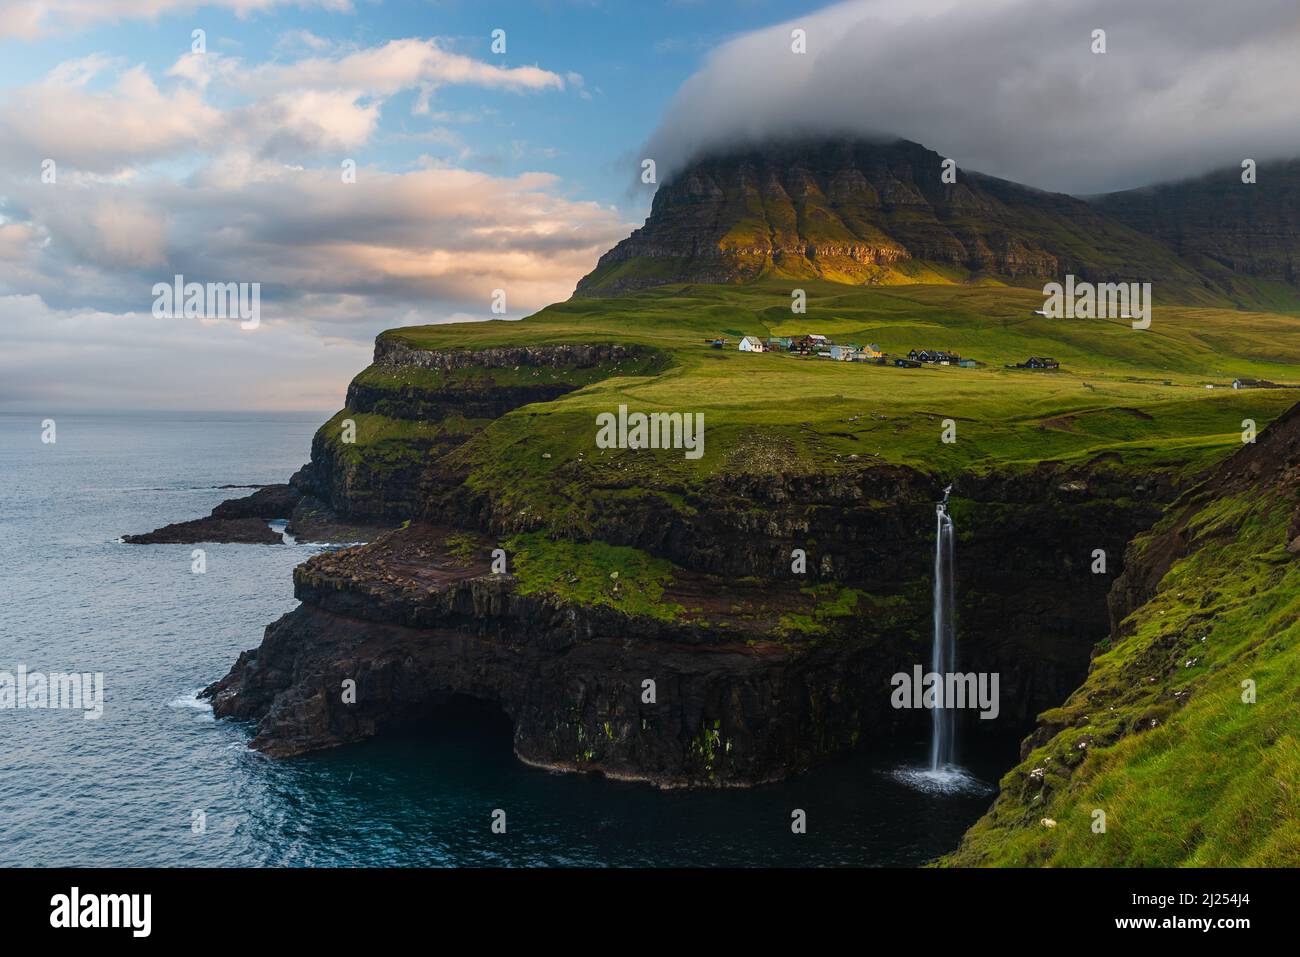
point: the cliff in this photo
(759, 672)
(413, 406)
(862, 212)
(1251, 229)
(1180, 747)
(772, 586)
(755, 678)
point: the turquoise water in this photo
(123, 790)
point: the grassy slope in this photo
(1174, 790)
(1159, 738)
(782, 412)
(1139, 394)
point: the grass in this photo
(833, 601)
(1140, 396)
(1159, 737)
(477, 378)
(593, 573)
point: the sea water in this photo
(157, 781)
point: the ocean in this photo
(157, 781)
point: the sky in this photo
(1077, 96)
(375, 163)
(476, 170)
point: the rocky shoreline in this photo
(750, 680)
(730, 702)
(738, 700)
(245, 521)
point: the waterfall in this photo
(942, 775)
(943, 653)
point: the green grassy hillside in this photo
(1158, 737)
(1139, 396)
(1183, 735)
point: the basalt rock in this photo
(242, 520)
(740, 699)
(738, 703)
(393, 351)
(414, 628)
(268, 503)
(1252, 229)
(247, 531)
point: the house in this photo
(751, 344)
(845, 353)
(967, 363)
(871, 351)
(907, 363)
(809, 344)
(778, 344)
(1253, 384)
(1037, 362)
(934, 357)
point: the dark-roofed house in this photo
(934, 356)
(1253, 384)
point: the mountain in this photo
(866, 212)
(1216, 220)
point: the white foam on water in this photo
(948, 779)
(191, 701)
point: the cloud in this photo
(223, 172)
(302, 40)
(1012, 87)
(422, 243)
(397, 65)
(57, 360)
(305, 107)
(102, 129)
(29, 19)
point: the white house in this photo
(751, 344)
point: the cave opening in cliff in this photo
(459, 718)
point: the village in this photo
(814, 345)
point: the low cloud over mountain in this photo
(1012, 87)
